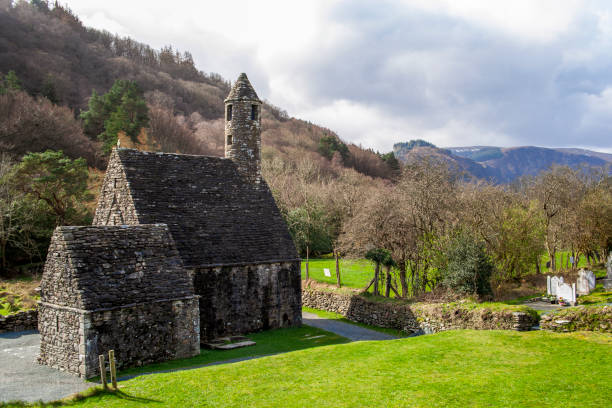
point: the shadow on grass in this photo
(73, 399)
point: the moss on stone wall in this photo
(579, 318)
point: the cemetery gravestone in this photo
(566, 292)
(326, 272)
(586, 282)
(608, 281)
(554, 283)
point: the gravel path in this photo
(22, 378)
(350, 331)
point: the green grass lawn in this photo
(354, 273)
(268, 342)
(582, 263)
(463, 368)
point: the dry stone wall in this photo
(580, 318)
(22, 321)
(240, 299)
(415, 318)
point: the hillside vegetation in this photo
(427, 224)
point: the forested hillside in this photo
(67, 93)
(56, 57)
(67, 87)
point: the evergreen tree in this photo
(48, 90)
(121, 109)
(10, 82)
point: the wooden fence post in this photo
(113, 368)
(102, 370)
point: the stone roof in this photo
(93, 267)
(242, 90)
(215, 215)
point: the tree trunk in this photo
(337, 269)
(551, 256)
(538, 265)
(376, 269)
(403, 281)
(388, 287)
(307, 271)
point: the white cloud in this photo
(380, 71)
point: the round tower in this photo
(243, 129)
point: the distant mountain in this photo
(502, 165)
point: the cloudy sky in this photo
(456, 73)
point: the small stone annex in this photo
(163, 219)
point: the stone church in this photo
(183, 249)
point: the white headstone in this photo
(567, 292)
(586, 282)
(582, 285)
(554, 283)
(326, 272)
(548, 286)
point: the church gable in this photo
(115, 204)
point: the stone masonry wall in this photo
(415, 318)
(246, 298)
(245, 132)
(115, 203)
(72, 339)
(22, 321)
(60, 338)
(142, 334)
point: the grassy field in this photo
(268, 342)
(582, 262)
(355, 273)
(449, 369)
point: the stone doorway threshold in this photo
(229, 343)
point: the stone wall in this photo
(580, 318)
(245, 298)
(22, 321)
(142, 334)
(72, 339)
(61, 333)
(115, 202)
(416, 318)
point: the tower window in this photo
(229, 139)
(229, 112)
(253, 112)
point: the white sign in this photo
(327, 273)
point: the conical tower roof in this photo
(242, 90)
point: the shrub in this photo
(469, 267)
